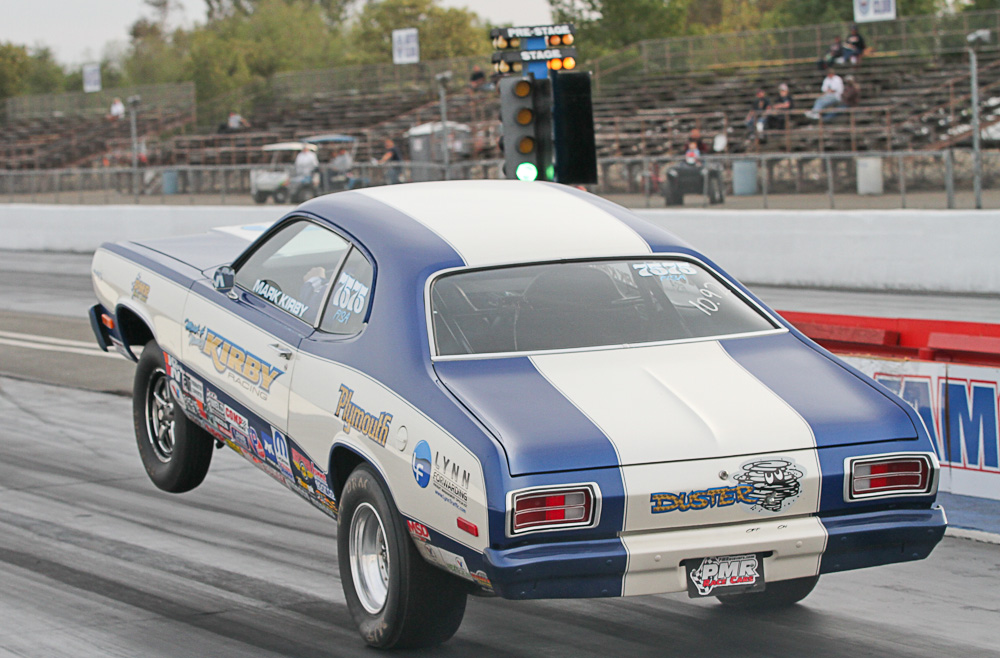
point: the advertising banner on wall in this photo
(960, 407)
(869, 11)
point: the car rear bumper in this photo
(653, 562)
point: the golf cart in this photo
(694, 176)
(279, 179)
(340, 152)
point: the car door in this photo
(243, 341)
(323, 388)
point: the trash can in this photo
(170, 181)
(744, 177)
(870, 176)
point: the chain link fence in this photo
(911, 179)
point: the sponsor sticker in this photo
(140, 289)
(418, 531)
(421, 464)
(774, 483)
(728, 574)
(451, 481)
(281, 453)
(450, 561)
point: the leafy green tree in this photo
(606, 25)
(333, 11)
(444, 32)
(44, 74)
(14, 66)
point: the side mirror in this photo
(224, 278)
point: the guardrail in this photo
(898, 179)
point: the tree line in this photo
(246, 41)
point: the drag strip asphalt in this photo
(94, 561)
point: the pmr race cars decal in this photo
(766, 485)
(732, 573)
(774, 483)
(374, 427)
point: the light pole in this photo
(442, 80)
(133, 107)
(979, 36)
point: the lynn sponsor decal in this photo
(421, 464)
(765, 486)
(729, 574)
(245, 369)
(374, 427)
(451, 481)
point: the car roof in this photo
(287, 146)
(503, 221)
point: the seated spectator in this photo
(306, 162)
(235, 122)
(855, 46)
(700, 144)
(692, 154)
(755, 117)
(832, 90)
(835, 55)
(852, 92)
(778, 116)
(117, 110)
(477, 79)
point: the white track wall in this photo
(916, 250)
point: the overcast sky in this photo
(79, 30)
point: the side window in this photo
(351, 295)
(294, 269)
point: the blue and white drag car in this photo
(515, 389)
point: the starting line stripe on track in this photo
(33, 344)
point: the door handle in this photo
(284, 352)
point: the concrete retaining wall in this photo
(918, 250)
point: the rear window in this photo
(559, 306)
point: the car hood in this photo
(206, 251)
(669, 403)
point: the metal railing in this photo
(900, 179)
(915, 35)
(177, 96)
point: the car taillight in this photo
(537, 509)
(890, 475)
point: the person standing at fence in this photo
(391, 159)
(832, 90)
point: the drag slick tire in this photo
(175, 451)
(780, 594)
(396, 598)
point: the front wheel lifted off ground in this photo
(780, 594)
(396, 598)
(175, 451)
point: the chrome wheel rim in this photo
(369, 556)
(160, 421)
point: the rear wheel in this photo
(780, 594)
(281, 195)
(260, 197)
(175, 452)
(304, 194)
(395, 597)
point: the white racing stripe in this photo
(491, 222)
(676, 402)
(48, 344)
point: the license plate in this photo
(726, 574)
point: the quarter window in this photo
(351, 295)
(295, 269)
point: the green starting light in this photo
(526, 171)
